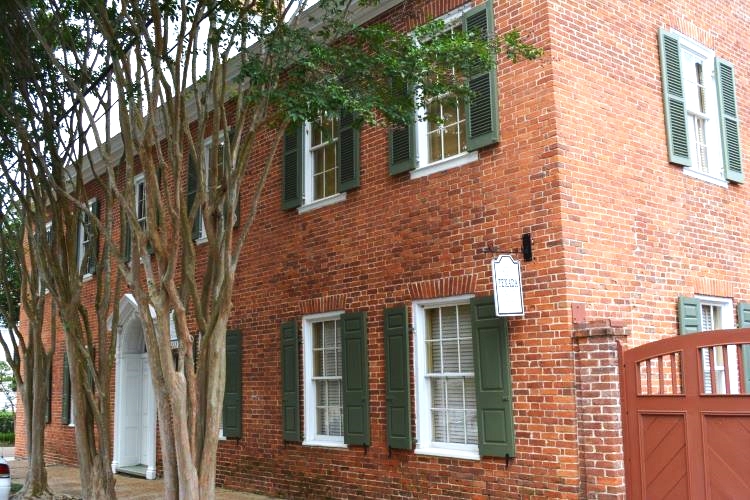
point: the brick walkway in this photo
(64, 481)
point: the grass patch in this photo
(15, 487)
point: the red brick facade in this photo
(582, 165)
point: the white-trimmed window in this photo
(323, 396)
(716, 314)
(201, 233)
(139, 187)
(441, 138)
(704, 313)
(321, 163)
(445, 388)
(455, 129)
(48, 238)
(86, 241)
(701, 110)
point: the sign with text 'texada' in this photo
(506, 282)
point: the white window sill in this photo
(86, 277)
(323, 202)
(445, 452)
(201, 240)
(705, 177)
(325, 444)
(447, 164)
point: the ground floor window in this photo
(445, 385)
(323, 379)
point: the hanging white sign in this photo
(506, 282)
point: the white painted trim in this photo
(424, 444)
(310, 433)
(443, 165)
(128, 308)
(323, 202)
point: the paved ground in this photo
(64, 480)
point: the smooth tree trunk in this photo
(34, 392)
(92, 428)
(35, 398)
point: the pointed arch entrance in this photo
(135, 405)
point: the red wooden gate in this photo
(686, 417)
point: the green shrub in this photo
(7, 438)
(7, 422)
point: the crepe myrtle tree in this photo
(214, 82)
(27, 357)
(46, 56)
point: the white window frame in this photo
(423, 166)
(202, 235)
(140, 180)
(422, 391)
(71, 409)
(311, 437)
(82, 241)
(725, 322)
(307, 175)
(48, 241)
(690, 50)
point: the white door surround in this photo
(135, 406)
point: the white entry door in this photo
(146, 402)
(132, 440)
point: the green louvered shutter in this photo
(348, 153)
(93, 240)
(66, 391)
(192, 192)
(674, 99)
(232, 410)
(689, 313)
(355, 378)
(743, 321)
(730, 124)
(402, 148)
(397, 380)
(492, 380)
(482, 107)
(291, 178)
(290, 382)
(127, 243)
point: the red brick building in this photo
(367, 356)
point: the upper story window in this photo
(321, 162)
(199, 228)
(701, 110)
(139, 187)
(321, 165)
(453, 130)
(87, 241)
(211, 176)
(441, 136)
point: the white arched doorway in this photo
(135, 407)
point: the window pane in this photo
(450, 141)
(453, 395)
(327, 378)
(436, 146)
